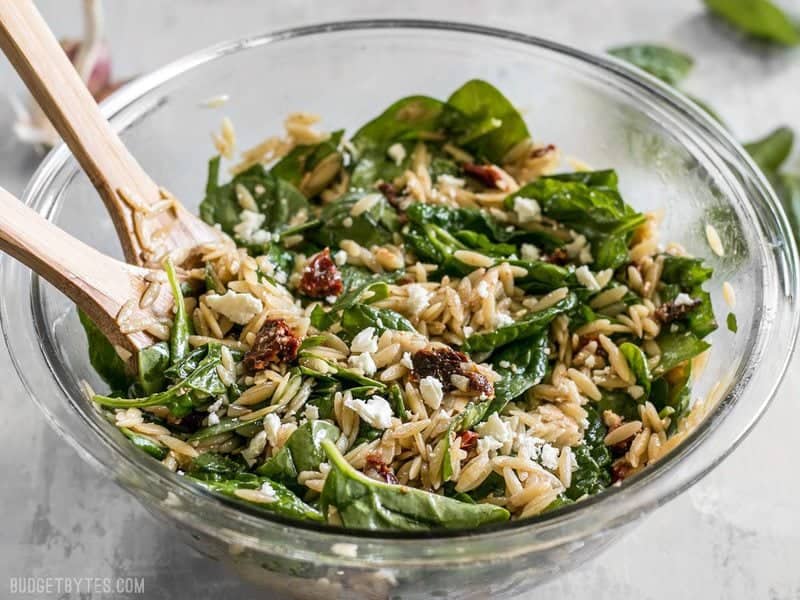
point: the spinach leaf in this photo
(302, 452)
(667, 64)
(605, 179)
(787, 185)
(671, 393)
(528, 326)
(284, 501)
(145, 444)
(637, 361)
(484, 121)
(731, 323)
(181, 325)
(759, 18)
(620, 403)
(363, 503)
(374, 226)
(102, 356)
(211, 466)
(701, 319)
(153, 361)
(360, 316)
(338, 372)
(302, 160)
(322, 395)
(520, 366)
(359, 286)
(677, 348)
(202, 383)
(684, 271)
(593, 458)
(771, 151)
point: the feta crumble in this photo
(272, 424)
(527, 210)
(365, 341)
(502, 319)
(431, 391)
(364, 362)
(213, 419)
(488, 444)
(530, 252)
(406, 361)
(496, 428)
(249, 228)
(376, 411)
(340, 257)
(683, 299)
(549, 457)
(418, 298)
(239, 308)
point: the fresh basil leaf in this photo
(771, 151)
(102, 356)
(284, 502)
(484, 121)
(637, 361)
(363, 503)
(528, 326)
(667, 64)
(759, 18)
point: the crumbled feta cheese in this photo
(365, 341)
(376, 411)
(213, 419)
(495, 427)
(311, 412)
(482, 289)
(488, 444)
(267, 489)
(418, 298)
(330, 299)
(502, 319)
(577, 244)
(504, 364)
(216, 405)
(397, 153)
(636, 391)
(528, 446)
(239, 308)
(347, 222)
(586, 279)
(683, 299)
(364, 362)
(281, 277)
(530, 252)
(431, 391)
(406, 361)
(549, 457)
(468, 331)
(272, 425)
(527, 210)
(340, 257)
(249, 228)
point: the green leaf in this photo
(686, 272)
(359, 286)
(102, 356)
(181, 324)
(787, 187)
(373, 227)
(284, 503)
(302, 452)
(520, 366)
(771, 151)
(303, 158)
(733, 326)
(667, 64)
(484, 121)
(593, 458)
(637, 361)
(153, 361)
(620, 403)
(677, 348)
(211, 466)
(759, 18)
(363, 503)
(145, 444)
(528, 326)
(604, 179)
(701, 319)
(360, 316)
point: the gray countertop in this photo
(728, 537)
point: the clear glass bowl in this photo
(669, 155)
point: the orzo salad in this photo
(426, 325)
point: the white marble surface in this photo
(722, 539)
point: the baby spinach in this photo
(303, 158)
(684, 271)
(339, 372)
(620, 403)
(667, 64)
(788, 187)
(145, 444)
(701, 319)
(484, 121)
(181, 324)
(637, 361)
(374, 226)
(302, 452)
(363, 503)
(359, 286)
(153, 362)
(593, 458)
(284, 502)
(520, 366)
(759, 18)
(606, 179)
(677, 348)
(771, 151)
(671, 393)
(202, 383)
(731, 323)
(211, 466)
(360, 316)
(527, 326)
(102, 356)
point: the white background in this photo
(735, 535)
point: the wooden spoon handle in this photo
(97, 283)
(38, 58)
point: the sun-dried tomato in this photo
(543, 151)
(321, 278)
(558, 256)
(274, 343)
(377, 469)
(669, 311)
(443, 363)
(469, 439)
(488, 175)
(620, 469)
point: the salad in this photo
(426, 325)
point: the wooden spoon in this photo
(101, 286)
(148, 221)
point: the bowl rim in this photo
(245, 517)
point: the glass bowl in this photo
(669, 155)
